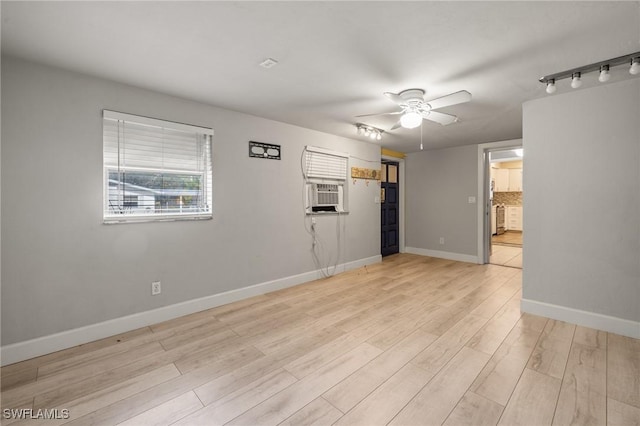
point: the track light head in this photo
(604, 74)
(551, 86)
(576, 81)
(635, 66)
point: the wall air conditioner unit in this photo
(325, 197)
(325, 194)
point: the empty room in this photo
(317, 212)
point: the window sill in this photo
(145, 219)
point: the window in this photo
(325, 173)
(155, 169)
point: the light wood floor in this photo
(411, 341)
(512, 238)
(506, 256)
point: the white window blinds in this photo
(325, 164)
(155, 169)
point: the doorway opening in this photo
(506, 203)
(389, 208)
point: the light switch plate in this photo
(472, 200)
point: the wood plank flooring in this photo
(511, 238)
(410, 341)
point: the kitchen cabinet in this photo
(515, 180)
(501, 177)
(507, 180)
(513, 220)
(494, 228)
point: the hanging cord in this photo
(421, 146)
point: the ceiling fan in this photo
(415, 108)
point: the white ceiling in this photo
(335, 58)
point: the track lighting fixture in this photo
(576, 80)
(635, 66)
(604, 74)
(369, 131)
(603, 67)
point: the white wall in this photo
(439, 183)
(63, 269)
(582, 207)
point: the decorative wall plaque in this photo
(264, 150)
(361, 173)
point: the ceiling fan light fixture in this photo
(411, 120)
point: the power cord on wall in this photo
(310, 225)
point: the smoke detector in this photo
(268, 63)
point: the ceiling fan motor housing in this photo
(412, 97)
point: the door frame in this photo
(401, 199)
(484, 209)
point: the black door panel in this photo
(389, 206)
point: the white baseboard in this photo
(443, 254)
(588, 319)
(21, 351)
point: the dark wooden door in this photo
(389, 202)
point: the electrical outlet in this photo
(156, 288)
(441, 240)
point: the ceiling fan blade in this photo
(396, 126)
(440, 117)
(397, 99)
(452, 99)
(381, 113)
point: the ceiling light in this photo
(635, 66)
(603, 67)
(551, 86)
(604, 74)
(410, 120)
(268, 63)
(575, 80)
(369, 131)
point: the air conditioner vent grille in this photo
(326, 194)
